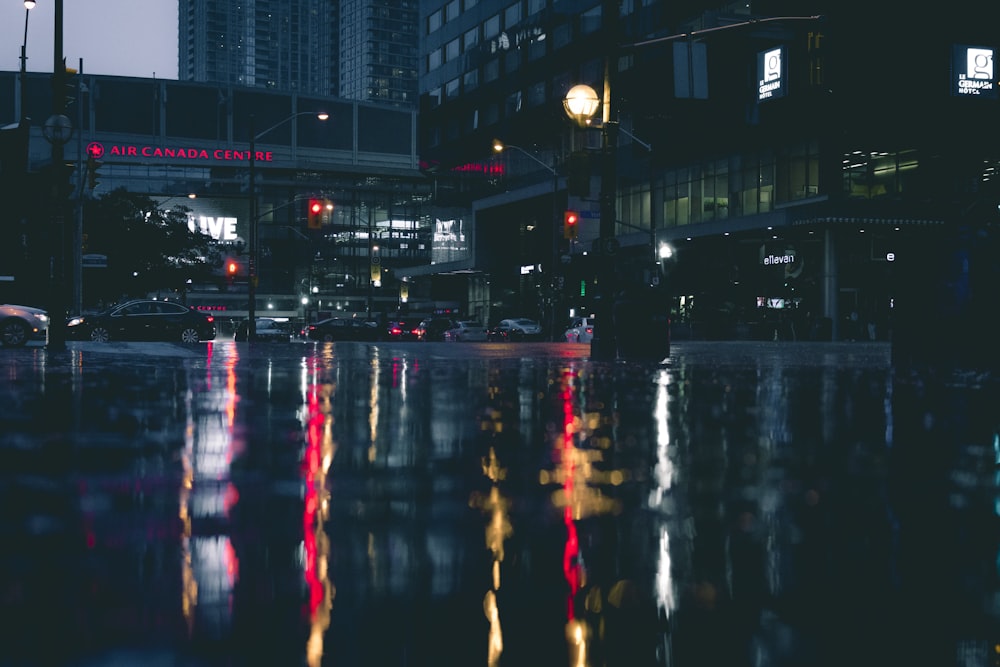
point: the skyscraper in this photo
(378, 51)
(358, 49)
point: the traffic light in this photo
(571, 220)
(315, 214)
(232, 267)
(93, 176)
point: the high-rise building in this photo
(378, 51)
(363, 50)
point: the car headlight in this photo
(76, 321)
(43, 318)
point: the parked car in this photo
(464, 330)
(20, 324)
(342, 328)
(402, 330)
(144, 320)
(518, 328)
(580, 330)
(268, 329)
(433, 329)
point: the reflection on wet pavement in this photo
(426, 504)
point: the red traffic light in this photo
(315, 206)
(570, 220)
(232, 267)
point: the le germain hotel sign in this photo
(771, 74)
(972, 72)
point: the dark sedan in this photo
(342, 328)
(144, 320)
(403, 330)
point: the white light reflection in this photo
(663, 473)
(664, 469)
(210, 566)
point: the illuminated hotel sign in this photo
(973, 71)
(99, 150)
(771, 79)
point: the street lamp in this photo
(499, 147)
(581, 104)
(28, 6)
(252, 263)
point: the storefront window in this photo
(874, 174)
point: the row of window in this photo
(750, 184)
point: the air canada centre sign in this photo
(169, 153)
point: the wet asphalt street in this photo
(382, 505)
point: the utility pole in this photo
(57, 131)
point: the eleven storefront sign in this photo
(100, 151)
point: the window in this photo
(433, 21)
(513, 104)
(535, 7)
(512, 15)
(562, 35)
(471, 38)
(451, 50)
(511, 61)
(470, 80)
(451, 11)
(491, 70)
(434, 60)
(634, 208)
(492, 27)
(536, 94)
(434, 98)
(873, 174)
(451, 89)
(590, 20)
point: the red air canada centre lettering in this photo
(219, 154)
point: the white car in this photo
(464, 330)
(580, 330)
(518, 328)
(20, 324)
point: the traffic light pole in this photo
(252, 260)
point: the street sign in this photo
(93, 261)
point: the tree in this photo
(148, 249)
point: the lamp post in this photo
(581, 104)
(254, 218)
(499, 147)
(28, 6)
(57, 131)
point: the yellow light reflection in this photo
(498, 529)
(373, 410)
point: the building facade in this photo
(795, 181)
(173, 142)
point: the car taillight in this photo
(590, 330)
(210, 318)
(311, 327)
(395, 331)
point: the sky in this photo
(116, 37)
